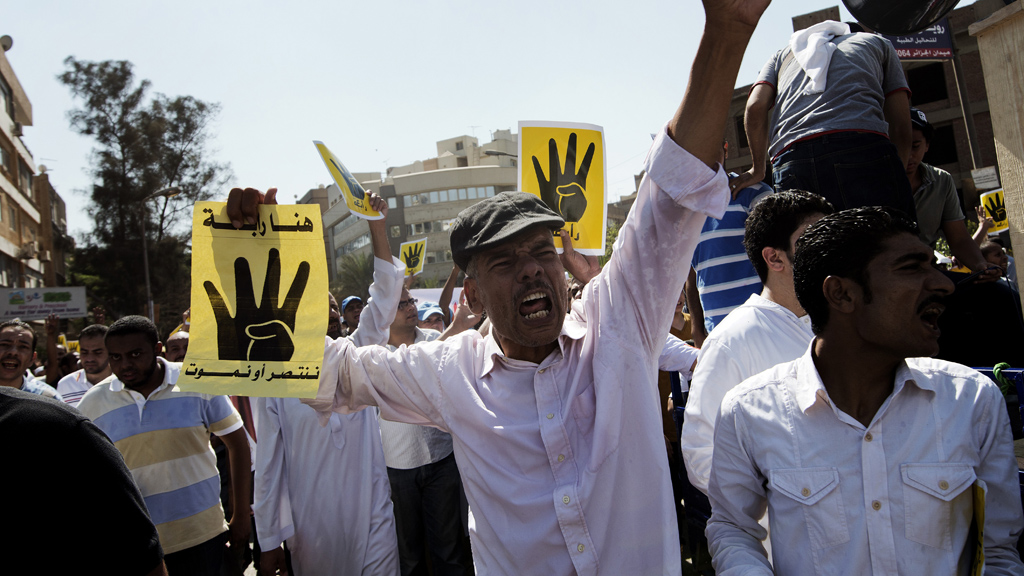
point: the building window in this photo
(433, 198)
(514, 164)
(26, 179)
(928, 83)
(490, 191)
(458, 145)
(14, 217)
(6, 98)
(431, 257)
(462, 194)
(392, 203)
(443, 195)
(5, 159)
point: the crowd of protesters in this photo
(779, 386)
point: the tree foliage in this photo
(143, 143)
(355, 274)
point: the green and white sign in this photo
(38, 303)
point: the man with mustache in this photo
(554, 414)
(95, 365)
(868, 455)
(17, 352)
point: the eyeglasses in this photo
(403, 304)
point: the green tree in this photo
(355, 274)
(143, 143)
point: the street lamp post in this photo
(167, 192)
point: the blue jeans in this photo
(427, 516)
(850, 169)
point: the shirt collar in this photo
(809, 388)
(170, 377)
(572, 329)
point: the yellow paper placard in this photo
(995, 206)
(259, 303)
(73, 346)
(351, 190)
(563, 164)
(413, 255)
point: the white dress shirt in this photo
(751, 339)
(73, 386)
(894, 497)
(325, 489)
(408, 446)
(563, 462)
(678, 356)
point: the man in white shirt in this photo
(556, 429)
(324, 489)
(768, 329)
(868, 458)
(95, 365)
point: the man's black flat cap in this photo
(496, 220)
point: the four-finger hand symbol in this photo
(261, 332)
(564, 190)
(996, 208)
(412, 256)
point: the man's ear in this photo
(842, 294)
(774, 258)
(158, 349)
(472, 292)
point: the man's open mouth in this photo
(535, 305)
(930, 313)
(10, 364)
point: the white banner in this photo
(38, 303)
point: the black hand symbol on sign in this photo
(565, 191)
(412, 256)
(261, 333)
(996, 208)
(354, 187)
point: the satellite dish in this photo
(899, 18)
(42, 168)
(6, 42)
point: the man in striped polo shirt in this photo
(164, 435)
(95, 365)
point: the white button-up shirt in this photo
(563, 462)
(753, 338)
(894, 497)
(325, 489)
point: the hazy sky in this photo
(379, 82)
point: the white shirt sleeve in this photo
(677, 356)
(717, 372)
(738, 500)
(271, 500)
(385, 292)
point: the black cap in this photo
(919, 120)
(496, 220)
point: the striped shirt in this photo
(165, 441)
(73, 386)
(30, 384)
(725, 276)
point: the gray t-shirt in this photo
(936, 202)
(864, 70)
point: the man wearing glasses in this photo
(425, 484)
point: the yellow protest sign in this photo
(995, 206)
(413, 255)
(259, 303)
(563, 164)
(351, 190)
(73, 346)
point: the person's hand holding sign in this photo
(564, 191)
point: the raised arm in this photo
(445, 301)
(755, 124)
(386, 289)
(897, 113)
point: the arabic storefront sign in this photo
(562, 163)
(38, 303)
(270, 346)
(932, 43)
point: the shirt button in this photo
(876, 505)
(580, 547)
(561, 458)
(565, 499)
(541, 371)
(550, 416)
(943, 485)
(868, 437)
(806, 492)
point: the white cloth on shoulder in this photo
(812, 48)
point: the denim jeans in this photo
(427, 516)
(850, 169)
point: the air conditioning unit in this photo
(44, 256)
(27, 251)
(18, 129)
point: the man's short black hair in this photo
(134, 325)
(93, 331)
(774, 219)
(17, 322)
(842, 245)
